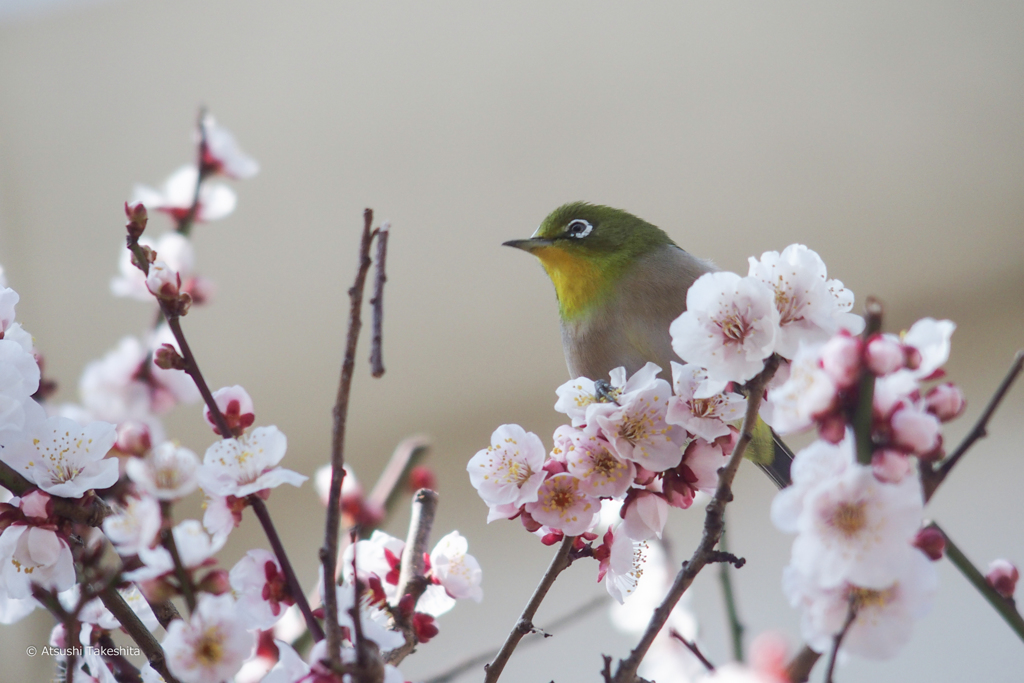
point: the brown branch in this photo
(714, 523)
(126, 671)
(692, 647)
(329, 551)
(192, 368)
(862, 418)
(484, 657)
(164, 611)
(294, 587)
(185, 224)
(92, 513)
(407, 453)
(180, 572)
(525, 624)
(838, 641)
(931, 478)
(799, 668)
(376, 358)
(131, 623)
(411, 578)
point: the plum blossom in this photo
(509, 473)
(222, 154)
(65, 459)
(703, 460)
(211, 645)
(173, 249)
(636, 429)
(702, 417)
(621, 563)
(376, 622)
(729, 327)
(884, 615)
(135, 525)
(248, 464)
(562, 506)
(589, 458)
(178, 191)
(261, 589)
(169, 472)
(807, 394)
(194, 546)
(236, 406)
(811, 307)
(857, 529)
(8, 300)
(94, 612)
(931, 339)
(19, 380)
(579, 400)
(34, 555)
(455, 569)
(13, 610)
(644, 515)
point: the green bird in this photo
(620, 283)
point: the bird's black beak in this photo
(529, 245)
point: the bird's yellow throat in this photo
(578, 281)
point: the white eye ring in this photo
(578, 228)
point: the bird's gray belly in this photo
(595, 350)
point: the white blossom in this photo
(135, 525)
(703, 417)
(168, 472)
(729, 327)
(177, 193)
(562, 506)
(223, 154)
(509, 473)
(248, 464)
(65, 459)
(34, 555)
(211, 645)
(455, 569)
(172, 248)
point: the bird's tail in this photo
(778, 469)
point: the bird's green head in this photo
(586, 249)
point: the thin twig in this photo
(476, 660)
(714, 522)
(732, 612)
(192, 368)
(358, 639)
(329, 551)
(799, 668)
(165, 611)
(185, 224)
(376, 357)
(525, 624)
(692, 647)
(188, 590)
(294, 587)
(932, 478)
(411, 578)
(863, 415)
(1005, 608)
(126, 672)
(131, 623)
(838, 640)
(405, 456)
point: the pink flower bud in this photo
(424, 627)
(884, 355)
(1002, 576)
(840, 359)
(832, 427)
(945, 401)
(216, 582)
(133, 438)
(236, 406)
(916, 431)
(890, 465)
(36, 504)
(931, 542)
(162, 281)
(422, 477)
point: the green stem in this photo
(1005, 608)
(735, 625)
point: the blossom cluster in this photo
(859, 544)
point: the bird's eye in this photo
(578, 228)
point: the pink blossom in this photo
(135, 525)
(222, 154)
(178, 191)
(636, 429)
(562, 506)
(916, 431)
(884, 355)
(169, 472)
(509, 473)
(173, 249)
(841, 359)
(211, 645)
(34, 555)
(806, 396)
(455, 569)
(622, 563)
(259, 584)
(644, 515)
(729, 326)
(702, 417)
(945, 402)
(589, 458)
(163, 282)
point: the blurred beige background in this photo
(887, 136)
